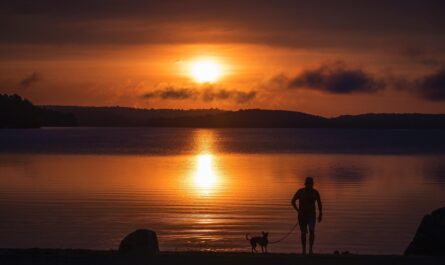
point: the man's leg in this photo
(311, 225)
(311, 241)
(303, 241)
(303, 229)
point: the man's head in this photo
(309, 183)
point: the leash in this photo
(285, 236)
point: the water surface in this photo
(204, 189)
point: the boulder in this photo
(430, 236)
(141, 241)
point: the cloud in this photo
(224, 94)
(206, 94)
(30, 80)
(337, 79)
(432, 87)
(296, 23)
(171, 93)
(428, 87)
(334, 78)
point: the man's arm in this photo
(320, 207)
(294, 202)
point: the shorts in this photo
(305, 221)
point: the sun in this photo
(206, 71)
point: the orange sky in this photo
(340, 59)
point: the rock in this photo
(141, 241)
(430, 236)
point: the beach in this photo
(111, 257)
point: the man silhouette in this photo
(306, 198)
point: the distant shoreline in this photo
(18, 112)
(248, 118)
(110, 257)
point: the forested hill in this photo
(251, 118)
(16, 112)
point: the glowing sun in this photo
(205, 71)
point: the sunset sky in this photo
(322, 57)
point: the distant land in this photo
(16, 112)
(249, 118)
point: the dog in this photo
(260, 240)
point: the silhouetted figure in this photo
(306, 198)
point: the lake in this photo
(204, 189)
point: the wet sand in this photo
(97, 257)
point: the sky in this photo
(322, 57)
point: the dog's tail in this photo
(247, 236)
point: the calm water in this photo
(204, 189)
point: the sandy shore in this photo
(55, 256)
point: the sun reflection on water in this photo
(205, 178)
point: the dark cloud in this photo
(223, 94)
(172, 93)
(337, 79)
(205, 94)
(243, 97)
(334, 78)
(432, 87)
(429, 87)
(296, 23)
(30, 80)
